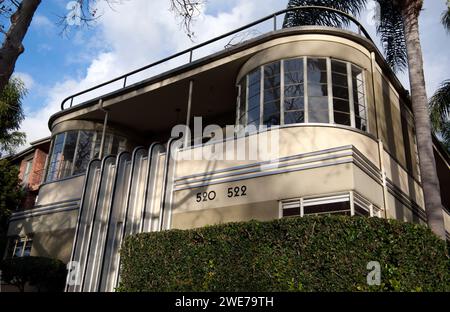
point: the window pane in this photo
(293, 90)
(318, 109)
(360, 211)
(290, 212)
(253, 116)
(85, 145)
(254, 77)
(294, 104)
(293, 117)
(26, 174)
(359, 99)
(272, 94)
(27, 250)
(339, 80)
(339, 67)
(342, 118)
(317, 74)
(315, 89)
(254, 103)
(332, 208)
(272, 113)
(340, 92)
(19, 248)
(293, 71)
(56, 156)
(243, 101)
(361, 124)
(341, 105)
(68, 154)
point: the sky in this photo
(135, 33)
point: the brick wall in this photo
(34, 180)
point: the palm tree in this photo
(440, 102)
(440, 112)
(446, 17)
(398, 27)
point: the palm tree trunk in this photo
(12, 46)
(430, 183)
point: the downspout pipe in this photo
(105, 123)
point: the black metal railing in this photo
(190, 51)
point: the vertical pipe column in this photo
(189, 108)
(105, 123)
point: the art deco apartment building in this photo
(346, 145)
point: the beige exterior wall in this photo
(54, 244)
(51, 222)
(292, 141)
(61, 191)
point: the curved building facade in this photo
(307, 121)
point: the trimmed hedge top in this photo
(294, 254)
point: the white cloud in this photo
(42, 22)
(26, 78)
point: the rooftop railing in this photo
(121, 81)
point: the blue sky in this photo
(132, 35)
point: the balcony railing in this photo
(121, 81)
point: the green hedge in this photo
(44, 274)
(293, 254)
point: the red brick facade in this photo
(37, 154)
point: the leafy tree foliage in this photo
(11, 115)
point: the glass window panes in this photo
(295, 93)
(21, 247)
(68, 154)
(254, 101)
(359, 98)
(271, 108)
(18, 250)
(318, 109)
(26, 173)
(360, 211)
(55, 160)
(243, 101)
(27, 248)
(73, 150)
(341, 208)
(84, 151)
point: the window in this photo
(294, 91)
(271, 108)
(72, 151)
(340, 204)
(359, 98)
(317, 85)
(254, 102)
(84, 151)
(303, 90)
(27, 172)
(341, 94)
(20, 247)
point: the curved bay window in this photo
(303, 90)
(71, 152)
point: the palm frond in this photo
(321, 17)
(390, 28)
(445, 19)
(440, 107)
